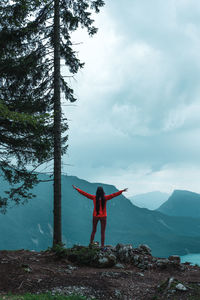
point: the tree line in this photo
(35, 35)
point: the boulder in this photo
(175, 259)
(124, 253)
(136, 259)
(118, 294)
(162, 263)
(145, 249)
(140, 274)
(143, 265)
(181, 287)
(119, 266)
(171, 262)
(105, 260)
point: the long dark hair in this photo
(100, 194)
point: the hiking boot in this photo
(104, 249)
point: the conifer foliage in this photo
(35, 35)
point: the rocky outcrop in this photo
(121, 255)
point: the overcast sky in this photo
(137, 119)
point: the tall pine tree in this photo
(34, 36)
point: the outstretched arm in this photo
(84, 193)
(108, 197)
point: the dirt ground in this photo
(36, 272)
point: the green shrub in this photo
(59, 250)
(81, 255)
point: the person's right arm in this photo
(89, 196)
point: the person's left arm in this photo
(108, 197)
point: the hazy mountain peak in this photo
(151, 200)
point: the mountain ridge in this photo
(182, 203)
(30, 226)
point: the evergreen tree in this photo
(24, 139)
(26, 126)
(34, 36)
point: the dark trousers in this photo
(103, 228)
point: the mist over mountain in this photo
(30, 226)
(182, 203)
(151, 200)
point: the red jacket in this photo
(102, 213)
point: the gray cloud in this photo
(138, 109)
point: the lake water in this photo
(193, 258)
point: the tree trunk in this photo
(57, 238)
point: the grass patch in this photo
(41, 297)
(195, 291)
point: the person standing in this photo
(99, 211)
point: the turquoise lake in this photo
(193, 258)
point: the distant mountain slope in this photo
(150, 200)
(182, 203)
(30, 226)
